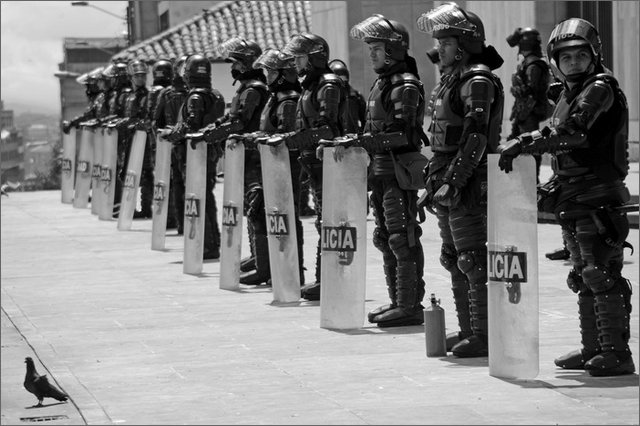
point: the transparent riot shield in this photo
(161, 180)
(233, 199)
(195, 199)
(344, 228)
(129, 198)
(281, 225)
(83, 170)
(68, 174)
(513, 269)
(108, 172)
(96, 170)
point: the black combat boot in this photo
(613, 309)
(408, 310)
(262, 272)
(575, 360)
(312, 291)
(460, 288)
(389, 267)
(475, 345)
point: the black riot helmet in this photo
(120, 75)
(312, 45)
(162, 72)
(238, 49)
(274, 60)
(340, 69)
(527, 39)
(138, 67)
(450, 20)
(574, 32)
(378, 28)
(197, 71)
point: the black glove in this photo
(508, 151)
(447, 195)
(66, 127)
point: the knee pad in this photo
(597, 278)
(400, 246)
(472, 264)
(448, 257)
(380, 239)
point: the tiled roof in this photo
(269, 23)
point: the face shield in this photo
(231, 49)
(273, 59)
(301, 45)
(446, 18)
(377, 28)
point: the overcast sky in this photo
(31, 46)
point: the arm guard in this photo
(477, 94)
(549, 140)
(286, 114)
(373, 144)
(467, 159)
(329, 99)
(250, 100)
(405, 99)
(307, 138)
(221, 132)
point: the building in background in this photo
(82, 55)
(38, 156)
(11, 150)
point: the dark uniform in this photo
(166, 114)
(243, 117)
(589, 139)
(320, 105)
(278, 116)
(465, 125)
(395, 111)
(162, 72)
(202, 106)
(93, 92)
(529, 85)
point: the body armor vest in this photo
(117, 101)
(174, 98)
(311, 101)
(447, 120)
(135, 104)
(270, 118)
(239, 100)
(607, 139)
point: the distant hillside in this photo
(28, 118)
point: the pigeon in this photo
(39, 385)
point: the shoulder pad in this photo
(531, 59)
(604, 77)
(289, 94)
(256, 84)
(330, 78)
(403, 78)
(475, 69)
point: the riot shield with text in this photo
(161, 181)
(281, 225)
(129, 198)
(83, 170)
(233, 199)
(344, 242)
(68, 166)
(512, 263)
(96, 170)
(108, 172)
(195, 199)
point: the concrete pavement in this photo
(133, 340)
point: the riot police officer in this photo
(356, 106)
(202, 106)
(395, 113)
(161, 72)
(93, 91)
(529, 85)
(465, 126)
(318, 111)
(278, 116)
(589, 139)
(244, 117)
(166, 114)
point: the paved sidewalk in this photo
(133, 340)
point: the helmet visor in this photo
(377, 27)
(574, 29)
(301, 45)
(445, 17)
(273, 59)
(232, 47)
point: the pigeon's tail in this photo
(52, 391)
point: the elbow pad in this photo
(468, 158)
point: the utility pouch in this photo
(409, 168)
(548, 196)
